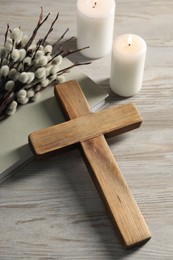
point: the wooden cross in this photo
(88, 129)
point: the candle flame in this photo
(94, 4)
(130, 40)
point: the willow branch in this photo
(39, 24)
(73, 51)
(65, 70)
(37, 48)
(55, 56)
(6, 33)
(65, 42)
(62, 36)
(50, 29)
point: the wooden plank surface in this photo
(50, 209)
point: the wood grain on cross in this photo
(88, 129)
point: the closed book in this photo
(14, 148)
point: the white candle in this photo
(128, 59)
(95, 23)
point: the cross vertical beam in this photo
(105, 172)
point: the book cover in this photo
(14, 131)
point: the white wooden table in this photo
(50, 209)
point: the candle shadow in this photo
(72, 45)
(113, 98)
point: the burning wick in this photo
(95, 3)
(130, 40)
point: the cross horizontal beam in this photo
(112, 121)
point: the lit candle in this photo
(128, 60)
(95, 23)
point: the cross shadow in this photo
(74, 175)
